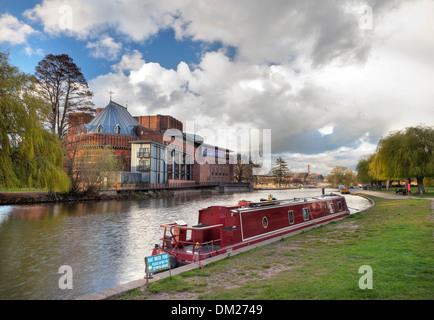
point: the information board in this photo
(157, 263)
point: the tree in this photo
(64, 88)
(30, 156)
(362, 168)
(244, 171)
(341, 175)
(95, 167)
(280, 171)
(406, 154)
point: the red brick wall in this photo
(77, 120)
(120, 144)
(159, 122)
(217, 173)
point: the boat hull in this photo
(231, 228)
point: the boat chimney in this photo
(308, 170)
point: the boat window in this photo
(265, 222)
(332, 209)
(291, 217)
(305, 213)
(340, 206)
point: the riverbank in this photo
(323, 263)
(33, 197)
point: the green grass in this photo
(392, 190)
(394, 238)
(22, 190)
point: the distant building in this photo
(315, 179)
(292, 180)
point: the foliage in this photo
(30, 156)
(280, 171)
(64, 88)
(341, 175)
(363, 174)
(428, 182)
(97, 166)
(405, 154)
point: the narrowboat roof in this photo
(293, 201)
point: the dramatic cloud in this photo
(12, 30)
(328, 77)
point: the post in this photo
(146, 273)
(409, 189)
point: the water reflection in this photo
(103, 242)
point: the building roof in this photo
(113, 119)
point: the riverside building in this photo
(152, 149)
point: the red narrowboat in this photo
(221, 229)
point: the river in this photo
(103, 242)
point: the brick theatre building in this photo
(152, 149)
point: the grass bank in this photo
(427, 194)
(394, 238)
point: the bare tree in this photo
(93, 167)
(243, 172)
(64, 88)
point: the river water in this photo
(104, 242)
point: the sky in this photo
(328, 79)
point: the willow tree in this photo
(29, 155)
(363, 174)
(406, 154)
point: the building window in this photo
(143, 152)
(118, 129)
(291, 217)
(144, 166)
(332, 209)
(305, 213)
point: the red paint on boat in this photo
(221, 229)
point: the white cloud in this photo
(13, 31)
(331, 92)
(29, 51)
(105, 48)
(129, 61)
(137, 19)
(327, 130)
